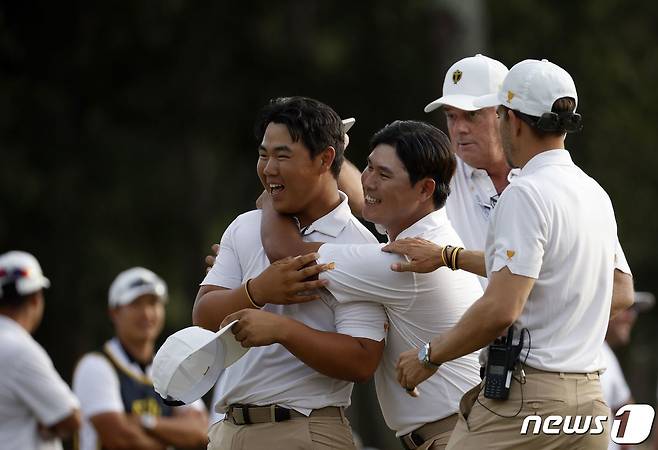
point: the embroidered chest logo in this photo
(510, 254)
(456, 76)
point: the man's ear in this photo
(515, 122)
(326, 158)
(427, 188)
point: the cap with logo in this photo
(468, 79)
(191, 360)
(531, 87)
(21, 273)
(133, 283)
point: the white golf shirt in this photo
(470, 203)
(419, 307)
(31, 391)
(557, 225)
(271, 374)
(96, 384)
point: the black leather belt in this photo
(249, 414)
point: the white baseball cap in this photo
(133, 283)
(468, 79)
(23, 271)
(191, 360)
(531, 87)
(347, 123)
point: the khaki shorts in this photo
(544, 394)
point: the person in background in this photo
(37, 408)
(120, 408)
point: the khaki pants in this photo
(298, 433)
(544, 394)
(437, 442)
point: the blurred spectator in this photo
(37, 408)
(120, 408)
(613, 383)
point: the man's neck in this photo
(498, 172)
(327, 200)
(21, 318)
(394, 230)
(536, 146)
(141, 351)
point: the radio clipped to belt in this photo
(503, 356)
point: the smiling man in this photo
(406, 183)
(120, 408)
(290, 391)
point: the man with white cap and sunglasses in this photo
(482, 172)
(556, 274)
(120, 408)
(36, 406)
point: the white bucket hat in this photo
(23, 270)
(468, 79)
(191, 360)
(531, 87)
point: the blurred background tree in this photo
(126, 127)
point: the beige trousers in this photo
(298, 433)
(544, 394)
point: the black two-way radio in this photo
(503, 355)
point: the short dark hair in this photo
(10, 296)
(424, 150)
(310, 121)
(564, 108)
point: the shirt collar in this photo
(332, 223)
(11, 323)
(469, 171)
(430, 222)
(559, 157)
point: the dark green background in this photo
(126, 127)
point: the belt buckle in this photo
(244, 410)
(414, 438)
(281, 414)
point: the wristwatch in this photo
(148, 421)
(424, 357)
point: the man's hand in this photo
(423, 256)
(411, 372)
(282, 283)
(210, 259)
(256, 328)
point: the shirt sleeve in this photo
(41, 388)
(363, 273)
(226, 272)
(520, 234)
(96, 384)
(620, 259)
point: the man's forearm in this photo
(333, 354)
(187, 430)
(472, 261)
(213, 304)
(623, 293)
(280, 235)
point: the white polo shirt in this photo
(31, 391)
(470, 203)
(557, 225)
(419, 307)
(271, 374)
(96, 384)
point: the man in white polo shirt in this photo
(406, 182)
(290, 391)
(37, 408)
(120, 407)
(482, 171)
(556, 274)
